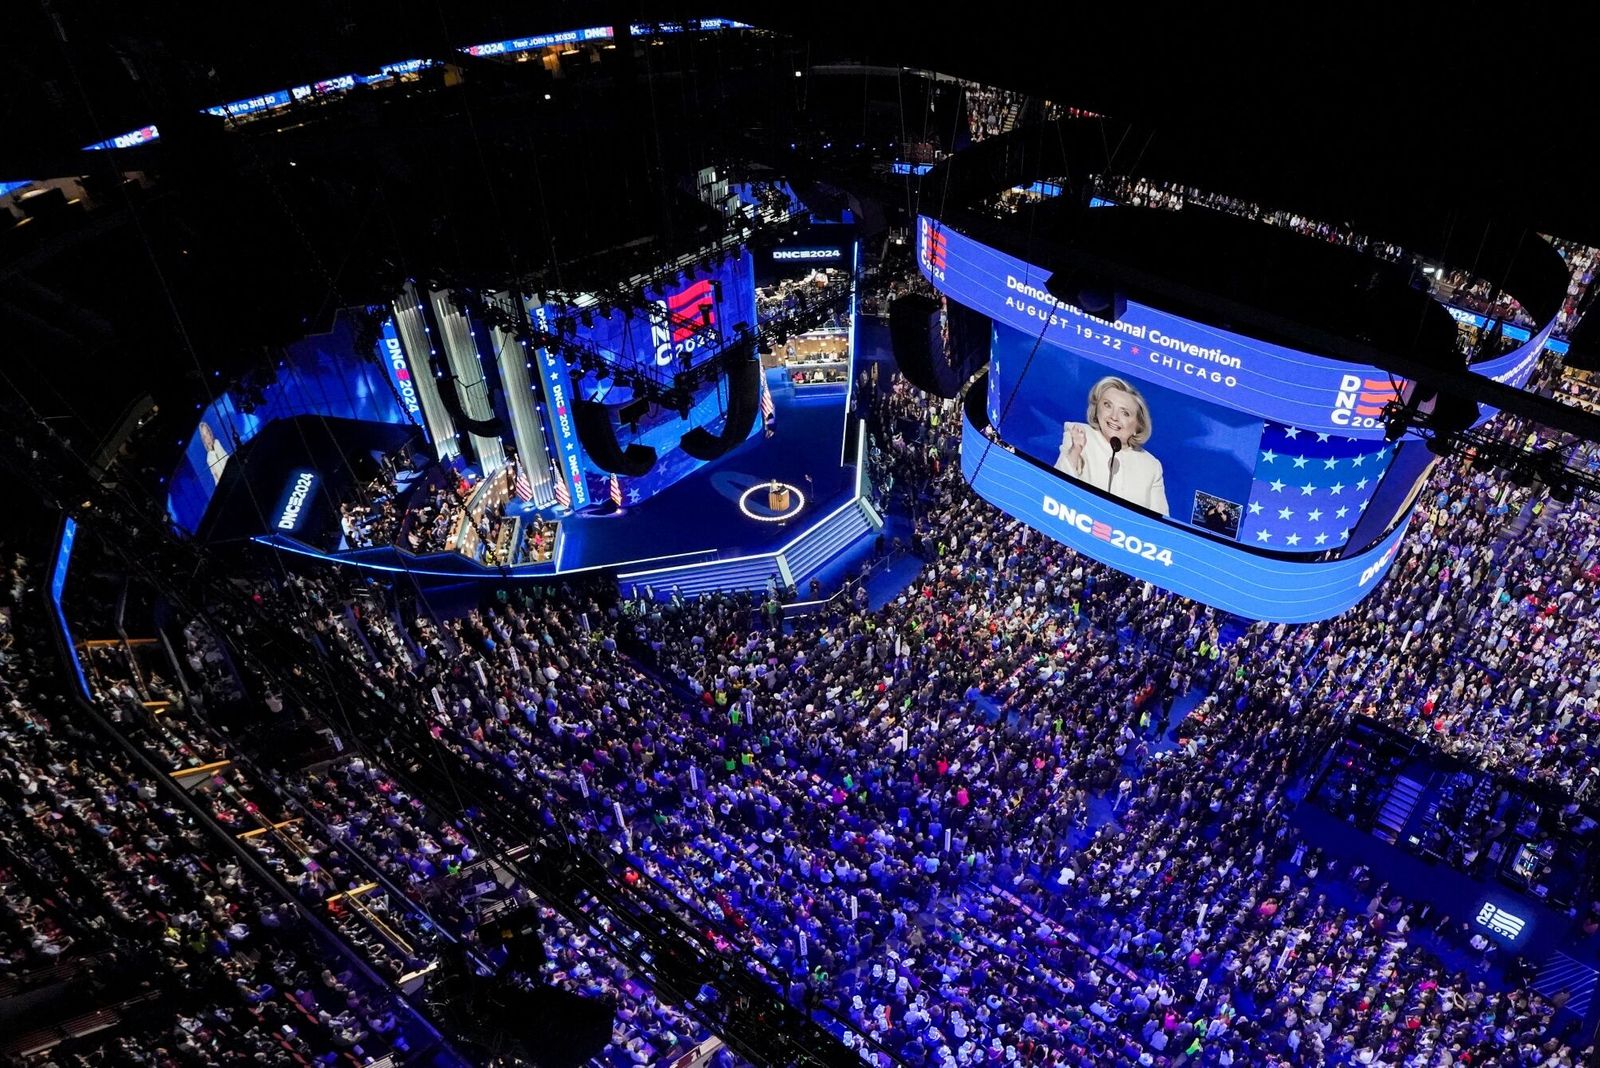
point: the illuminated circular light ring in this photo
(798, 502)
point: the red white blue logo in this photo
(686, 321)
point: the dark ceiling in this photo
(1357, 101)
(1349, 105)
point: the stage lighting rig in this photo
(1553, 465)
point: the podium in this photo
(778, 497)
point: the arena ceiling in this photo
(1489, 107)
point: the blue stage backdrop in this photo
(688, 322)
(662, 429)
(321, 375)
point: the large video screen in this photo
(321, 375)
(1253, 585)
(1138, 441)
(681, 325)
(1231, 473)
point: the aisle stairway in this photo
(801, 558)
(1396, 811)
(1013, 114)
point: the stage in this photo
(711, 530)
(702, 511)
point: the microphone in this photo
(1111, 468)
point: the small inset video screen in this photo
(1216, 515)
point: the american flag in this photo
(769, 410)
(562, 491)
(1310, 488)
(616, 490)
(524, 488)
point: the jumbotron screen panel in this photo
(1218, 466)
(1272, 381)
(1190, 461)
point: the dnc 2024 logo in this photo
(1360, 401)
(684, 322)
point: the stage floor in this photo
(702, 511)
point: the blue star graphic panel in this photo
(1310, 488)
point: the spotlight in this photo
(1562, 490)
(1396, 419)
(1439, 444)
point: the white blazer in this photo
(1137, 477)
(216, 459)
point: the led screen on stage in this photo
(681, 324)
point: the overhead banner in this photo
(393, 355)
(543, 40)
(557, 377)
(1272, 381)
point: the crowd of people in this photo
(1030, 810)
(803, 796)
(374, 519)
(893, 810)
(991, 111)
(126, 893)
(433, 516)
(890, 278)
(538, 539)
(1581, 261)
(114, 885)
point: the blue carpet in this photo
(702, 511)
(892, 581)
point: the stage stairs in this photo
(1396, 812)
(796, 562)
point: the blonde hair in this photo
(1142, 427)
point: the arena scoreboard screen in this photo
(1245, 474)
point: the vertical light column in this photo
(514, 362)
(461, 355)
(850, 354)
(420, 353)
